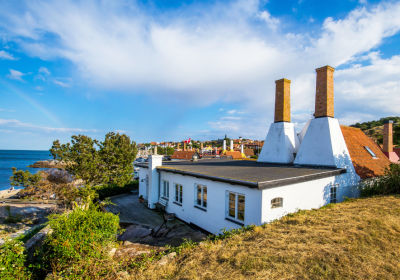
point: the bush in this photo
(12, 259)
(255, 157)
(112, 189)
(387, 184)
(80, 235)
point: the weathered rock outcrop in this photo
(48, 164)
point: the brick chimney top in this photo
(282, 100)
(388, 136)
(324, 96)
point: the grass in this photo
(358, 239)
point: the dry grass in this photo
(356, 240)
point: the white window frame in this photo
(236, 218)
(278, 203)
(165, 189)
(180, 194)
(336, 198)
(201, 205)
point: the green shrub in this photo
(78, 236)
(112, 189)
(12, 259)
(254, 156)
(387, 184)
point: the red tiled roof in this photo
(235, 155)
(184, 154)
(365, 165)
(248, 152)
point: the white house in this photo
(291, 173)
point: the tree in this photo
(24, 178)
(97, 162)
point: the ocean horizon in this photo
(19, 159)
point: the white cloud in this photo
(231, 111)
(363, 1)
(15, 75)
(6, 55)
(44, 70)
(224, 53)
(269, 20)
(39, 88)
(220, 109)
(61, 83)
(3, 110)
(17, 125)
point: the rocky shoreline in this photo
(48, 164)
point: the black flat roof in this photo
(248, 173)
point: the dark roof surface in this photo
(248, 173)
(365, 165)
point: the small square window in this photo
(277, 202)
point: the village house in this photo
(321, 165)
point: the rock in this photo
(111, 253)
(165, 259)
(134, 232)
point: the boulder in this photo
(134, 232)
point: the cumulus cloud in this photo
(16, 75)
(57, 82)
(219, 53)
(6, 55)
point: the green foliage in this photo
(254, 156)
(112, 189)
(24, 178)
(169, 151)
(12, 259)
(80, 235)
(387, 184)
(110, 161)
(372, 124)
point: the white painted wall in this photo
(214, 219)
(142, 185)
(304, 196)
(280, 144)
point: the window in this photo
(178, 193)
(370, 152)
(277, 202)
(334, 193)
(165, 189)
(236, 206)
(201, 195)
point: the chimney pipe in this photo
(324, 96)
(241, 149)
(184, 146)
(388, 136)
(282, 100)
(224, 146)
(155, 150)
(178, 146)
(231, 146)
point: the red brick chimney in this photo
(324, 97)
(388, 141)
(282, 100)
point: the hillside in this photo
(354, 240)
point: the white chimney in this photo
(231, 146)
(241, 149)
(224, 146)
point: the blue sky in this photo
(169, 70)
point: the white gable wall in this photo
(304, 196)
(214, 219)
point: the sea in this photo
(19, 159)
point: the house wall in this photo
(307, 195)
(213, 220)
